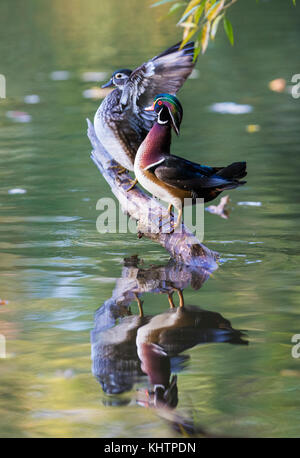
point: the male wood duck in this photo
(121, 123)
(172, 178)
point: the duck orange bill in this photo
(150, 108)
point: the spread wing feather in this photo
(164, 73)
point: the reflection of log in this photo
(183, 246)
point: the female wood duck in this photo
(121, 123)
(172, 178)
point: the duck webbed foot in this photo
(134, 182)
(170, 216)
(178, 222)
(120, 168)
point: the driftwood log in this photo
(183, 246)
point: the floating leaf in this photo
(215, 26)
(205, 36)
(215, 10)
(228, 29)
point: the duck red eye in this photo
(159, 102)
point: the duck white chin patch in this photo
(159, 120)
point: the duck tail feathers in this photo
(234, 171)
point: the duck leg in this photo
(180, 295)
(181, 299)
(140, 305)
(132, 185)
(170, 299)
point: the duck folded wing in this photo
(187, 175)
(164, 73)
(131, 132)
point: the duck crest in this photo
(155, 146)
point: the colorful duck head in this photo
(169, 110)
(118, 78)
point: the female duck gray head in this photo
(118, 78)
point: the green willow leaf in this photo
(205, 36)
(197, 52)
(214, 10)
(215, 26)
(208, 5)
(199, 12)
(176, 7)
(191, 5)
(188, 37)
(197, 46)
(228, 29)
(185, 16)
(161, 2)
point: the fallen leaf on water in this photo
(3, 302)
(220, 209)
(32, 99)
(60, 75)
(89, 77)
(230, 108)
(251, 128)
(17, 191)
(18, 116)
(290, 373)
(250, 204)
(277, 85)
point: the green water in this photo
(57, 270)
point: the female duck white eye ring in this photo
(119, 75)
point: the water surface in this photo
(56, 270)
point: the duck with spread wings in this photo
(121, 122)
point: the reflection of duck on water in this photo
(170, 333)
(115, 361)
(125, 346)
